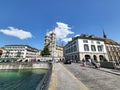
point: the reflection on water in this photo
(20, 79)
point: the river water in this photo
(21, 79)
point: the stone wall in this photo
(24, 65)
(110, 65)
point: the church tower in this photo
(53, 42)
(50, 41)
(47, 40)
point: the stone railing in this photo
(43, 85)
(110, 65)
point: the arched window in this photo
(101, 57)
(87, 57)
(95, 58)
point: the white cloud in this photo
(76, 35)
(62, 31)
(67, 39)
(19, 33)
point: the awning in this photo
(33, 59)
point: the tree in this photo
(45, 51)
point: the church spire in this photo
(104, 35)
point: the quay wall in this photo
(24, 65)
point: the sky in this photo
(28, 21)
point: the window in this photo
(100, 48)
(71, 49)
(93, 48)
(98, 42)
(74, 42)
(75, 48)
(85, 41)
(92, 41)
(86, 48)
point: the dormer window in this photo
(98, 42)
(85, 41)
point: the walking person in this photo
(90, 62)
(94, 63)
(83, 62)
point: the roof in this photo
(86, 36)
(59, 46)
(109, 41)
(20, 45)
(92, 37)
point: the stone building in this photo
(50, 41)
(113, 48)
(86, 47)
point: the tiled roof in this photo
(86, 36)
(109, 41)
(106, 40)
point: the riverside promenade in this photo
(62, 79)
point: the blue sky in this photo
(26, 21)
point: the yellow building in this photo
(1, 51)
(113, 49)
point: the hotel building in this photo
(19, 51)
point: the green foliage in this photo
(45, 51)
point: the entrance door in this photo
(87, 57)
(95, 58)
(101, 58)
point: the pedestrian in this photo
(94, 63)
(90, 62)
(83, 62)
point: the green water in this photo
(20, 79)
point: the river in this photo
(21, 79)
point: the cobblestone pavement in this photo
(94, 79)
(66, 80)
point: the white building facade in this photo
(19, 51)
(86, 47)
